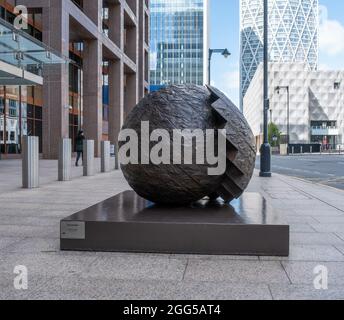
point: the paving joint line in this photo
(315, 197)
(335, 246)
(270, 291)
(285, 271)
(338, 236)
(186, 267)
(312, 181)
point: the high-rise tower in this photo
(179, 42)
(293, 35)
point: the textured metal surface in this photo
(241, 147)
(129, 223)
(191, 107)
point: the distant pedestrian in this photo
(79, 143)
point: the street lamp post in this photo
(224, 52)
(278, 89)
(265, 150)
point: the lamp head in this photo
(226, 53)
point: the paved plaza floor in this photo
(29, 236)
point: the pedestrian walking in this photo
(79, 143)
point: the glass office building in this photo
(293, 35)
(179, 42)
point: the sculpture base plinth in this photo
(129, 223)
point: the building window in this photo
(336, 85)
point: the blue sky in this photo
(225, 34)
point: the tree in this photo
(274, 135)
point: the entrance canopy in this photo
(22, 57)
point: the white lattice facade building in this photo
(316, 108)
(293, 35)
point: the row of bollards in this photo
(88, 158)
(301, 150)
(30, 167)
(105, 165)
(334, 151)
(30, 160)
(65, 160)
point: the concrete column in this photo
(131, 93)
(117, 165)
(105, 157)
(65, 160)
(132, 51)
(116, 76)
(116, 102)
(30, 162)
(88, 160)
(131, 43)
(133, 5)
(93, 104)
(93, 9)
(56, 82)
(116, 24)
(142, 53)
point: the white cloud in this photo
(331, 35)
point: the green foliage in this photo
(274, 133)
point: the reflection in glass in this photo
(21, 113)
